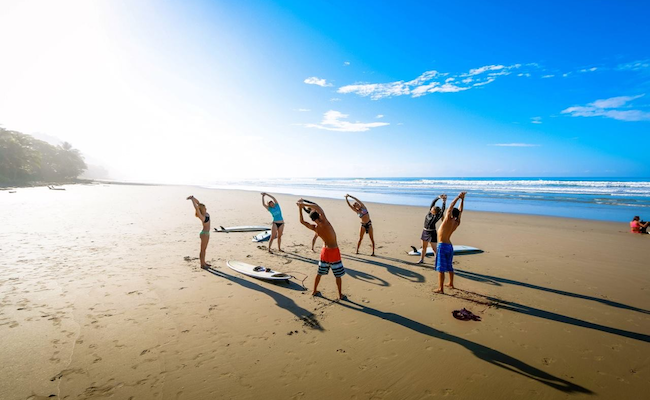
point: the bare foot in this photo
(438, 291)
(205, 266)
(450, 286)
(420, 262)
(281, 251)
(343, 297)
(373, 254)
(357, 252)
(316, 293)
(270, 251)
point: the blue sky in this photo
(154, 89)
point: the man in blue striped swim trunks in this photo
(445, 253)
(330, 255)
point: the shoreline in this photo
(426, 207)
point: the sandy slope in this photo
(97, 300)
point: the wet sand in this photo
(101, 295)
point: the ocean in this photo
(598, 199)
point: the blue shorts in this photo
(337, 268)
(445, 257)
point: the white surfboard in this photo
(246, 228)
(262, 237)
(257, 271)
(458, 249)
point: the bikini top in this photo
(207, 219)
(362, 213)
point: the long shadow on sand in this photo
(536, 312)
(281, 301)
(397, 271)
(362, 276)
(484, 353)
(495, 280)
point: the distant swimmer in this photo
(429, 234)
(202, 214)
(278, 222)
(330, 255)
(638, 226)
(366, 224)
(445, 253)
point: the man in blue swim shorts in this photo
(445, 253)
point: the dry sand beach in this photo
(97, 300)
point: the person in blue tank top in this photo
(278, 222)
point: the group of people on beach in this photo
(330, 255)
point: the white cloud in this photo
(536, 120)
(346, 63)
(548, 76)
(333, 121)
(592, 69)
(380, 116)
(614, 108)
(431, 82)
(303, 109)
(516, 145)
(634, 66)
(335, 99)
(317, 81)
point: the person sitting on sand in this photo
(445, 253)
(638, 226)
(202, 214)
(366, 224)
(278, 223)
(330, 255)
(429, 234)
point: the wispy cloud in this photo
(536, 120)
(516, 145)
(334, 121)
(380, 116)
(548, 76)
(433, 82)
(317, 81)
(614, 107)
(303, 109)
(346, 63)
(335, 99)
(583, 70)
(634, 65)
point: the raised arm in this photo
(451, 207)
(347, 200)
(313, 206)
(272, 198)
(263, 203)
(433, 203)
(195, 203)
(444, 203)
(462, 201)
(301, 207)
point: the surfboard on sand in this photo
(262, 237)
(247, 228)
(458, 249)
(257, 271)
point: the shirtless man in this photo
(445, 253)
(330, 256)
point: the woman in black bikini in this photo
(202, 214)
(366, 224)
(278, 222)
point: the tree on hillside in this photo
(24, 158)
